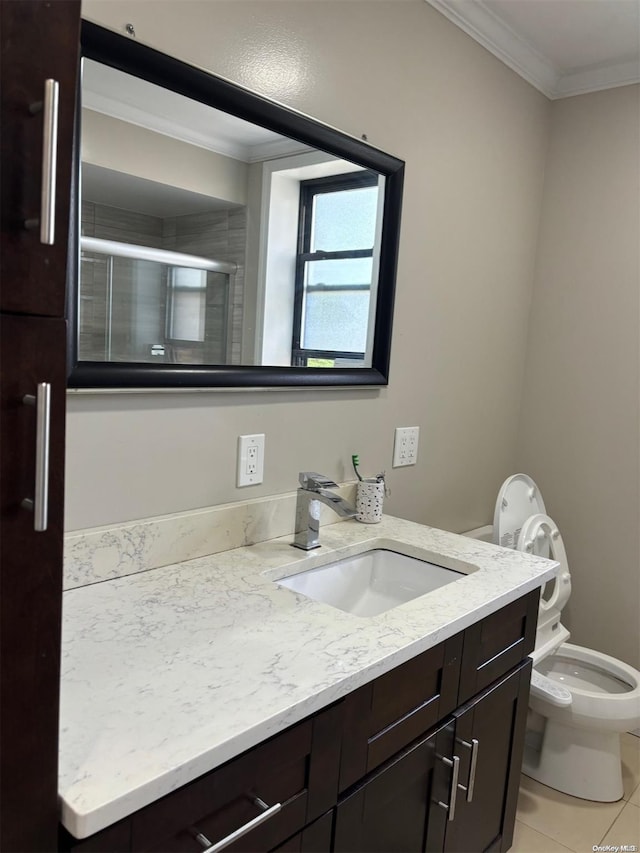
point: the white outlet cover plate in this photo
(405, 446)
(250, 470)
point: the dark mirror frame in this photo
(133, 58)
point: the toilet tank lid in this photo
(518, 499)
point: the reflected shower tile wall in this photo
(91, 335)
(216, 319)
(93, 307)
(237, 248)
(88, 219)
(169, 233)
(126, 226)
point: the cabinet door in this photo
(388, 811)
(486, 738)
(40, 42)
(32, 353)
(315, 838)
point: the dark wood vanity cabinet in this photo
(39, 47)
(408, 762)
(419, 801)
(486, 736)
(455, 786)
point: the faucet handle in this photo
(314, 482)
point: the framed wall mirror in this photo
(223, 240)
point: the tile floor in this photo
(550, 822)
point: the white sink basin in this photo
(370, 583)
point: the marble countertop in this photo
(169, 673)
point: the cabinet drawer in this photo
(297, 768)
(389, 713)
(497, 643)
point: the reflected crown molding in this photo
(188, 122)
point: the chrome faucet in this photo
(314, 490)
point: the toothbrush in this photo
(355, 460)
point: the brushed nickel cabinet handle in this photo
(474, 747)
(49, 107)
(40, 503)
(267, 812)
(453, 793)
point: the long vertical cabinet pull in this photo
(473, 746)
(450, 807)
(49, 161)
(40, 502)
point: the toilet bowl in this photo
(580, 699)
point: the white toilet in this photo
(581, 700)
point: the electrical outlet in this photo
(405, 446)
(250, 460)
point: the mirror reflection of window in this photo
(334, 270)
(187, 309)
(324, 219)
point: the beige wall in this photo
(580, 430)
(474, 137)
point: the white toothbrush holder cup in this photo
(369, 500)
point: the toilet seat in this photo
(518, 499)
(593, 707)
(540, 534)
(585, 672)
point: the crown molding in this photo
(499, 39)
(475, 19)
(586, 80)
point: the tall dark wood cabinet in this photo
(39, 41)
